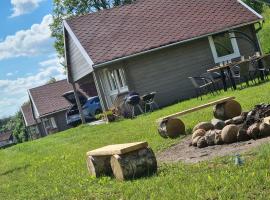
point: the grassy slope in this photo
(264, 34)
(54, 167)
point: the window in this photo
(224, 46)
(116, 80)
(49, 123)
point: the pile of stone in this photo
(248, 125)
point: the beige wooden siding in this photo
(78, 64)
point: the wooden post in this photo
(78, 103)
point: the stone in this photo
(218, 139)
(199, 132)
(238, 120)
(218, 124)
(228, 122)
(242, 135)
(254, 131)
(210, 137)
(202, 143)
(195, 141)
(264, 129)
(203, 125)
(229, 134)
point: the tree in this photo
(51, 80)
(257, 5)
(63, 9)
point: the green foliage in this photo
(54, 167)
(63, 9)
(256, 5)
(52, 80)
(16, 125)
(264, 34)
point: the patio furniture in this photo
(202, 85)
(134, 101)
(149, 101)
(241, 72)
(266, 64)
(215, 77)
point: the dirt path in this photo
(184, 153)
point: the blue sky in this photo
(27, 56)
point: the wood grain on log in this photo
(227, 110)
(134, 164)
(171, 128)
(99, 166)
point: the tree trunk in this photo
(227, 110)
(99, 166)
(135, 164)
(171, 128)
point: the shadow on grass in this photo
(14, 170)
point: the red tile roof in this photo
(149, 24)
(48, 98)
(28, 114)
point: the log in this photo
(99, 166)
(134, 164)
(171, 128)
(227, 110)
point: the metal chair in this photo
(215, 77)
(241, 72)
(266, 65)
(201, 85)
(134, 101)
(148, 100)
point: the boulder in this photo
(203, 125)
(210, 137)
(199, 132)
(228, 122)
(218, 124)
(229, 134)
(238, 120)
(195, 141)
(242, 135)
(264, 129)
(218, 139)
(202, 142)
(254, 131)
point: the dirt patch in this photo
(182, 152)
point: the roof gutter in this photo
(171, 45)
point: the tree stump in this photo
(134, 164)
(99, 166)
(171, 128)
(227, 110)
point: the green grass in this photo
(54, 167)
(264, 34)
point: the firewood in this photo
(171, 128)
(199, 132)
(134, 164)
(229, 134)
(227, 110)
(203, 125)
(99, 166)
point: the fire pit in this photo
(254, 124)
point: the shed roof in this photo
(5, 136)
(149, 24)
(28, 114)
(48, 98)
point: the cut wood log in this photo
(99, 166)
(134, 164)
(171, 128)
(227, 110)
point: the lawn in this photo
(54, 167)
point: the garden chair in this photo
(134, 101)
(241, 72)
(149, 101)
(202, 85)
(266, 64)
(215, 77)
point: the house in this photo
(154, 45)
(6, 139)
(46, 111)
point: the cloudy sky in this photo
(27, 56)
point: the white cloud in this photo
(21, 7)
(14, 92)
(30, 42)
(9, 74)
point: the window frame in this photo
(235, 54)
(118, 77)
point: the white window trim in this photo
(227, 57)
